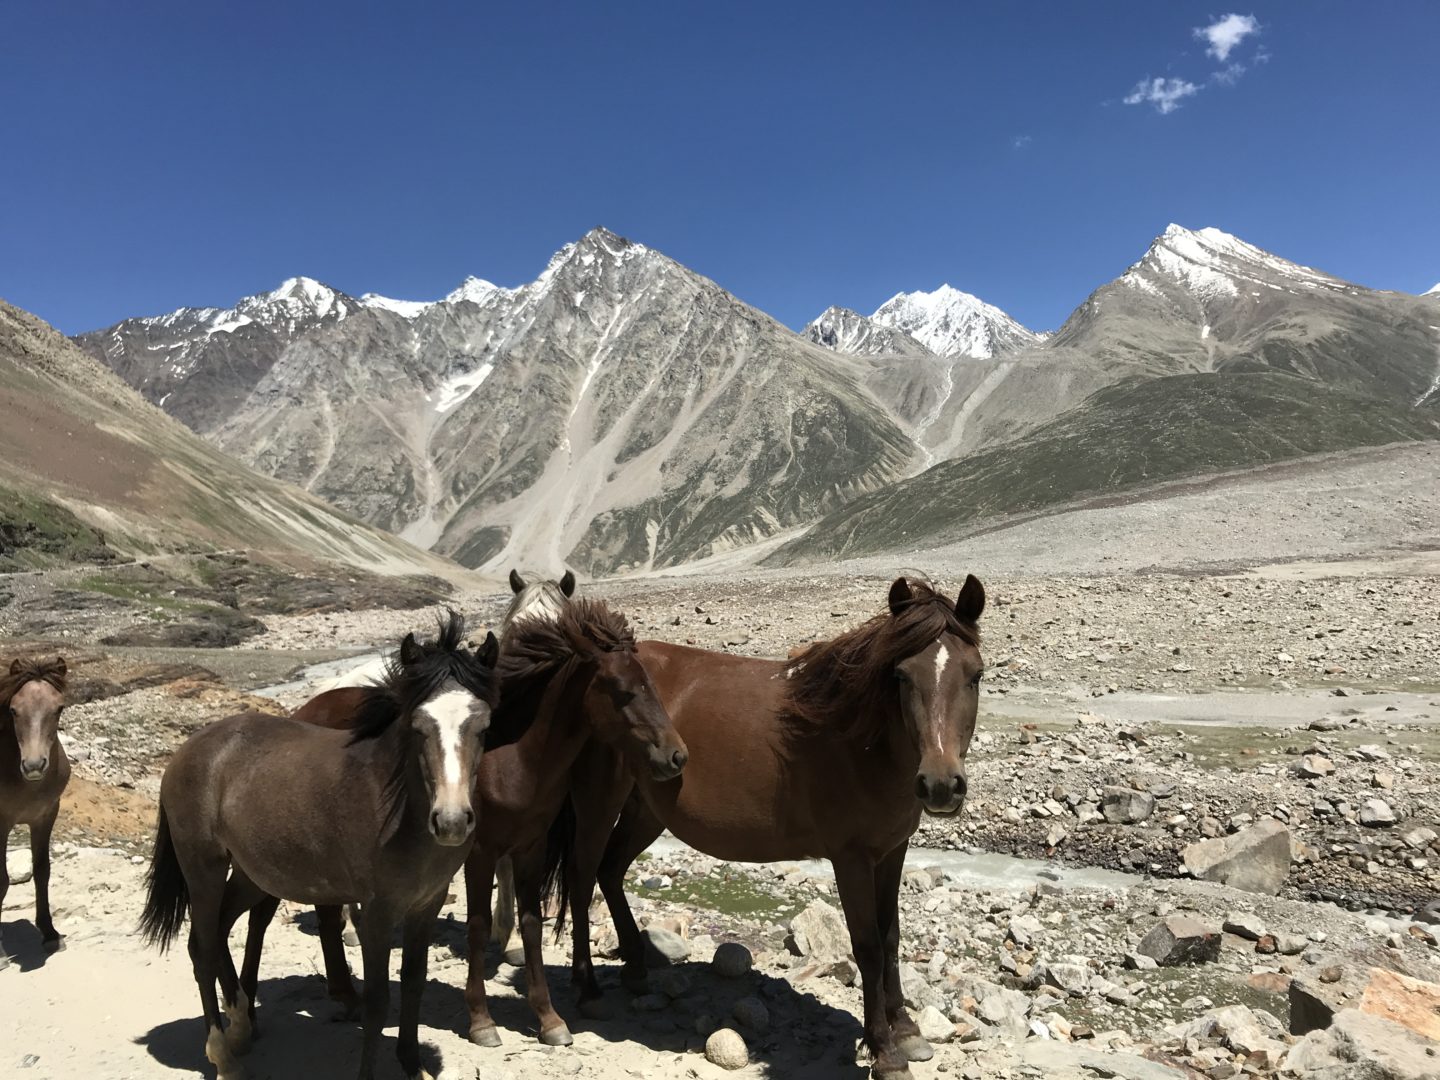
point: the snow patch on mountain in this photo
(1434, 290)
(457, 388)
(406, 309)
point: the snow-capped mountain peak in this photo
(476, 291)
(1212, 264)
(950, 322)
(1434, 290)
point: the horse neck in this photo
(396, 769)
(556, 736)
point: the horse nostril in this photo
(435, 822)
(678, 759)
(469, 819)
(960, 786)
(922, 788)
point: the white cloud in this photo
(1226, 33)
(1020, 142)
(1164, 94)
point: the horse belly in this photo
(738, 822)
(292, 855)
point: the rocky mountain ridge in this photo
(621, 412)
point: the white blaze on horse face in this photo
(942, 657)
(450, 711)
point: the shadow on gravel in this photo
(20, 941)
(296, 1034)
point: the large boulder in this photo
(1411, 1003)
(1242, 1029)
(1125, 806)
(1179, 939)
(1256, 859)
(1379, 1049)
(819, 933)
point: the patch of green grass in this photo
(730, 893)
(37, 533)
(136, 592)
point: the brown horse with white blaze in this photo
(33, 775)
(833, 754)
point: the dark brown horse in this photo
(33, 773)
(258, 796)
(832, 754)
(575, 679)
(534, 599)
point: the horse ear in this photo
(517, 583)
(409, 651)
(567, 583)
(60, 668)
(15, 666)
(971, 601)
(489, 650)
(900, 595)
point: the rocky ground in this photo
(1157, 725)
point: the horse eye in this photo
(976, 680)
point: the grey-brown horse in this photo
(33, 774)
(258, 796)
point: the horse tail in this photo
(502, 922)
(559, 849)
(167, 895)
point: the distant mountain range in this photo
(621, 412)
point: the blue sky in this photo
(799, 154)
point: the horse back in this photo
(332, 709)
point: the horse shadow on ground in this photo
(297, 1032)
(20, 943)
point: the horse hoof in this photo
(597, 1009)
(915, 1048)
(53, 945)
(559, 1036)
(889, 1070)
(486, 1036)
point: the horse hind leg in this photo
(5, 828)
(242, 895)
(338, 981)
(503, 923)
(206, 880)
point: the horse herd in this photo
(554, 754)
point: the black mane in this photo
(405, 686)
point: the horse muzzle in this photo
(667, 762)
(33, 769)
(941, 794)
(452, 828)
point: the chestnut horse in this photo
(33, 774)
(833, 754)
(258, 796)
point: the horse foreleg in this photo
(375, 933)
(5, 828)
(40, 831)
(633, 833)
(903, 1028)
(529, 867)
(598, 789)
(337, 968)
(414, 958)
(855, 877)
(479, 875)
